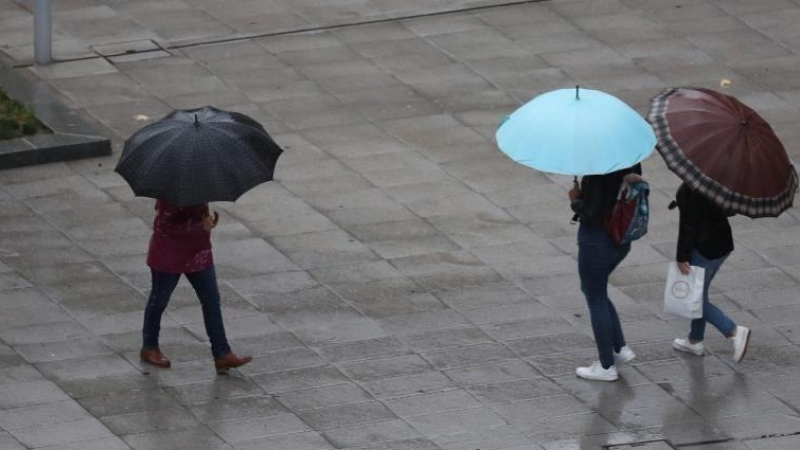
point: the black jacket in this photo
(703, 226)
(598, 196)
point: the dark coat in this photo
(703, 226)
(599, 195)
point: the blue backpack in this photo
(628, 220)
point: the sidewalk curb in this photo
(72, 137)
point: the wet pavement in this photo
(402, 285)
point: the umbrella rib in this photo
(720, 117)
(695, 125)
(160, 151)
(155, 134)
(724, 118)
(252, 126)
(182, 174)
(231, 135)
(242, 184)
(558, 133)
(225, 155)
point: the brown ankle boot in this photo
(230, 361)
(154, 357)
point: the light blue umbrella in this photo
(576, 132)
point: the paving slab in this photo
(401, 284)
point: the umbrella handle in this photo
(575, 217)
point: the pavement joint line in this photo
(771, 436)
(785, 403)
(298, 31)
(56, 61)
(642, 443)
(306, 375)
(699, 443)
(358, 23)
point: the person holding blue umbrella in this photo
(594, 135)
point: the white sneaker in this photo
(684, 345)
(625, 355)
(740, 342)
(597, 372)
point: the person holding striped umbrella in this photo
(731, 162)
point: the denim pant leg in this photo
(163, 284)
(598, 256)
(205, 285)
(711, 313)
(616, 327)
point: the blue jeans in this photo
(598, 256)
(711, 313)
(205, 285)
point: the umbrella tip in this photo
(196, 123)
(577, 92)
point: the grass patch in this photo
(16, 120)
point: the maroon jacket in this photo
(179, 243)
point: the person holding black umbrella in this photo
(185, 160)
(181, 244)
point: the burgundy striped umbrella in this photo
(724, 150)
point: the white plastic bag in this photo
(683, 295)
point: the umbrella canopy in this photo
(576, 132)
(724, 150)
(198, 156)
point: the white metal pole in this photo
(42, 32)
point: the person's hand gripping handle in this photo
(575, 192)
(209, 221)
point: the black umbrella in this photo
(198, 156)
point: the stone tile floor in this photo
(401, 284)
